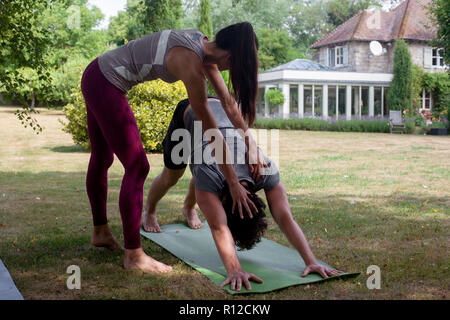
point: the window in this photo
(293, 92)
(331, 57)
(377, 101)
(307, 100)
(426, 99)
(318, 101)
(332, 101)
(437, 59)
(339, 56)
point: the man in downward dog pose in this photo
(228, 226)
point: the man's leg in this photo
(158, 189)
(189, 208)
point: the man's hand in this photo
(324, 271)
(237, 277)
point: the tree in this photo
(339, 11)
(439, 10)
(275, 48)
(307, 23)
(159, 15)
(261, 14)
(23, 42)
(205, 24)
(400, 92)
(143, 17)
(118, 28)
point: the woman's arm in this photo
(186, 66)
(256, 159)
(213, 210)
(281, 212)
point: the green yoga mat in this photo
(277, 265)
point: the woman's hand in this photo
(240, 196)
(256, 162)
(237, 277)
(324, 271)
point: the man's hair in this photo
(248, 231)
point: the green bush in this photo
(153, 104)
(311, 124)
(410, 127)
(274, 96)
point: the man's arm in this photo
(213, 210)
(281, 212)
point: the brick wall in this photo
(359, 60)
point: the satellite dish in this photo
(376, 48)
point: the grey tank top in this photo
(208, 177)
(144, 59)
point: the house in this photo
(348, 80)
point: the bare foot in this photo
(102, 237)
(150, 223)
(136, 259)
(192, 218)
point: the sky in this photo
(109, 8)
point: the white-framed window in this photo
(437, 58)
(427, 100)
(339, 56)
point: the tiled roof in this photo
(302, 64)
(409, 20)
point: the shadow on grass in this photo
(68, 149)
(47, 226)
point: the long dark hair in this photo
(241, 41)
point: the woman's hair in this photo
(241, 41)
(248, 231)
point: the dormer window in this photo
(437, 58)
(337, 56)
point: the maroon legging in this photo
(113, 130)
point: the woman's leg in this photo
(113, 115)
(120, 131)
(158, 189)
(102, 158)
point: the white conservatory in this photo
(311, 89)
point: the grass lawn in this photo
(362, 199)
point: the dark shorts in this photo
(176, 123)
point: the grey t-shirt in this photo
(144, 59)
(207, 176)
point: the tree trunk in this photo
(33, 100)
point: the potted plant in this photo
(275, 97)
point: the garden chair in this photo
(396, 124)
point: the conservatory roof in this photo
(302, 64)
